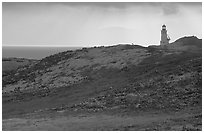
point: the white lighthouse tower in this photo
(164, 37)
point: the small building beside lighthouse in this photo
(164, 37)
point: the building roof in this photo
(164, 25)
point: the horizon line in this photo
(10, 45)
(39, 46)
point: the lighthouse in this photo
(164, 37)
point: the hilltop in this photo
(120, 79)
(9, 64)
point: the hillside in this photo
(9, 64)
(67, 68)
(115, 80)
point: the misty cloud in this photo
(88, 23)
(169, 9)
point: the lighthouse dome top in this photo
(163, 27)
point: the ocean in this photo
(32, 52)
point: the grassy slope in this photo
(100, 82)
(100, 121)
(169, 88)
(157, 68)
(9, 64)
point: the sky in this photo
(97, 24)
